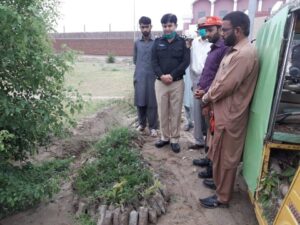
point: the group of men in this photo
(223, 68)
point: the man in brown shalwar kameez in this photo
(230, 95)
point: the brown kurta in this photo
(230, 95)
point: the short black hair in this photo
(239, 19)
(169, 18)
(145, 20)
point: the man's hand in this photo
(166, 79)
(199, 94)
(205, 110)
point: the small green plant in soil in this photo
(85, 219)
(270, 195)
(111, 58)
(25, 186)
(118, 174)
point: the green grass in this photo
(24, 187)
(93, 106)
(85, 219)
(118, 174)
(98, 78)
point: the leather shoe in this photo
(175, 147)
(206, 148)
(209, 184)
(161, 143)
(201, 162)
(196, 146)
(212, 202)
(208, 173)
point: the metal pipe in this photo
(279, 87)
(134, 35)
(252, 6)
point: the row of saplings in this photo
(116, 186)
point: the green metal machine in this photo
(274, 123)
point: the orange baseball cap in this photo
(211, 21)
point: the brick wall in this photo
(99, 43)
(118, 47)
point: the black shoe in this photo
(201, 162)
(161, 143)
(206, 148)
(196, 146)
(210, 184)
(208, 173)
(175, 147)
(212, 202)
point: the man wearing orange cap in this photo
(212, 26)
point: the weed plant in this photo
(85, 219)
(111, 58)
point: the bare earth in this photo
(175, 170)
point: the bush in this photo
(118, 174)
(110, 58)
(32, 93)
(23, 187)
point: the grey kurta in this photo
(144, 76)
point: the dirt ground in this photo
(175, 170)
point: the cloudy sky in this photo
(99, 15)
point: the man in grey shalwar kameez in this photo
(144, 79)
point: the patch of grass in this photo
(99, 78)
(92, 106)
(117, 175)
(85, 219)
(26, 186)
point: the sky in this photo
(117, 15)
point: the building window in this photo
(201, 14)
(222, 13)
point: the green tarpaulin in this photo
(268, 44)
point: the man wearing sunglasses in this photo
(144, 78)
(218, 49)
(230, 95)
(170, 58)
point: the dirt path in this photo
(180, 176)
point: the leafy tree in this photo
(34, 103)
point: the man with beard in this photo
(212, 25)
(144, 78)
(170, 58)
(230, 95)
